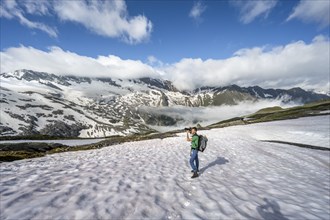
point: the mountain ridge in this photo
(44, 103)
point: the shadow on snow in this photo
(270, 210)
(218, 161)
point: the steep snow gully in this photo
(241, 178)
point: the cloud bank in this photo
(190, 116)
(61, 62)
(312, 12)
(108, 18)
(296, 64)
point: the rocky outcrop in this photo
(61, 129)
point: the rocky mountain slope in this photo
(41, 103)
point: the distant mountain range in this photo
(34, 103)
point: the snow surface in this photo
(309, 130)
(241, 178)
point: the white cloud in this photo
(250, 10)
(40, 7)
(63, 62)
(197, 10)
(312, 12)
(154, 61)
(295, 64)
(286, 66)
(107, 18)
(11, 10)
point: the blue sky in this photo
(162, 36)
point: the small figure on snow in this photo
(194, 163)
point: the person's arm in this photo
(188, 138)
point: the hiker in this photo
(194, 163)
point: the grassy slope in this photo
(10, 152)
(277, 113)
(17, 151)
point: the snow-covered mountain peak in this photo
(42, 103)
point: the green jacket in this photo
(194, 141)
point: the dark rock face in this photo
(69, 117)
(45, 107)
(58, 112)
(61, 129)
(5, 130)
(109, 81)
(28, 130)
(159, 120)
(163, 100)
(29, 147)
(158, 83)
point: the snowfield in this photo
(240, 178)
(309, 130)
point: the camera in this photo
(188, 129)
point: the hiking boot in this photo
(193, 171)
(195, 175)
